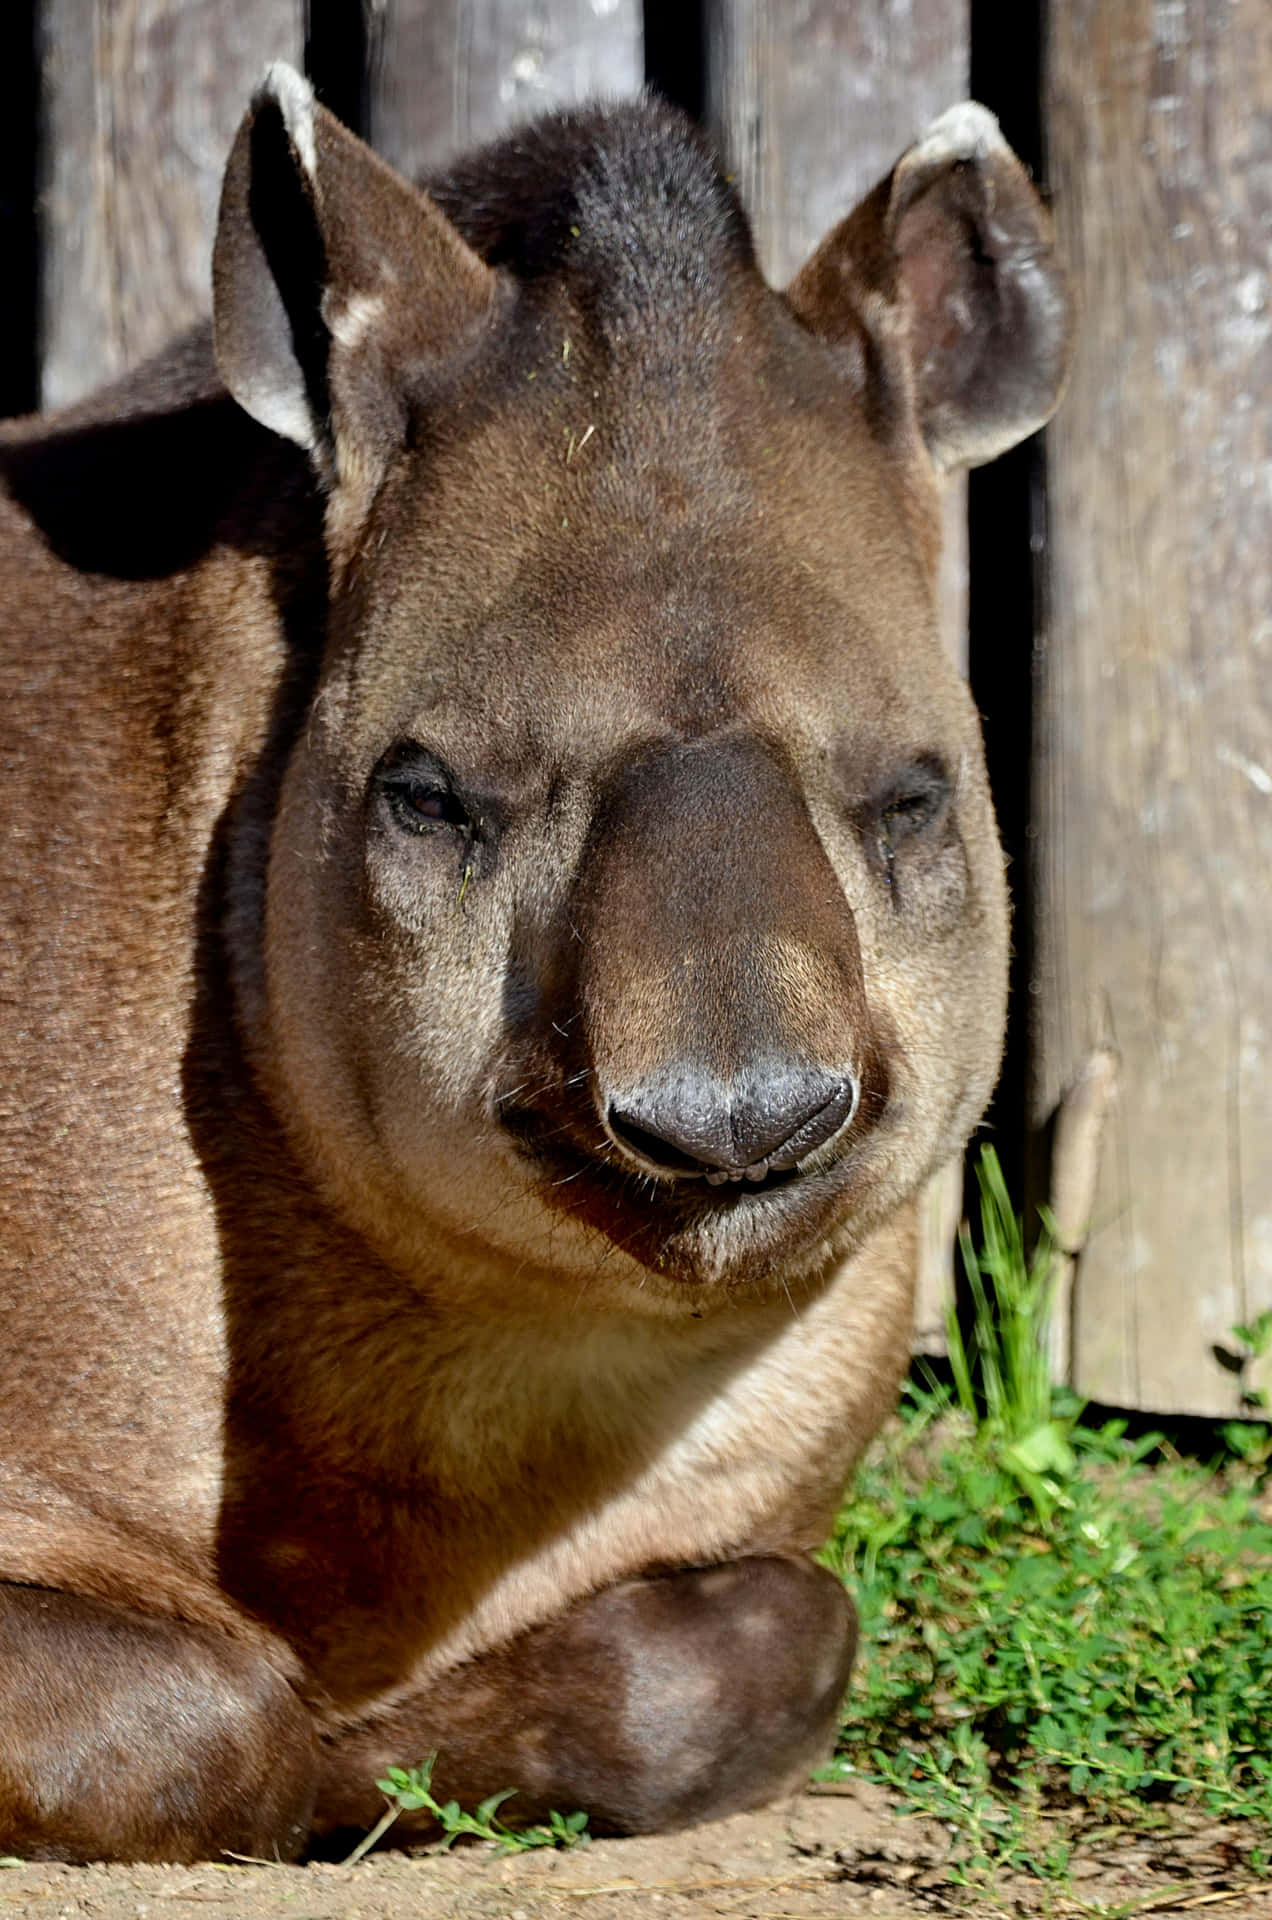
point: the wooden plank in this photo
(811, 102)
(140, 101)
(940, 1211)
(446, 74)
(1155, 774)
(18, 94)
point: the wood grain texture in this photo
(446, 74)
(1155, 774)
(811, 102)
(140, 101)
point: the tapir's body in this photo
(502, 915)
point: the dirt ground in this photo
(841, 1852)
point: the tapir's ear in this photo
(332, 279)
(949, 271)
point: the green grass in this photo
(1062, 1627)
(407, 1789)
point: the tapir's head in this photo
(635, 912)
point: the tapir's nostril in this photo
(691, 1124)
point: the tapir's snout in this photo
(687, 1121)
(723, 1005)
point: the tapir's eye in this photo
(420, 793)
(419, 806)
(912, 804)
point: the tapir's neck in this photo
(550, 1457)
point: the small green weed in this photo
(1256, 1339)
(1062, 1626)
(1002, 1382)
(409, 1788)
(1011, 1298)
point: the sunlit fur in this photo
(504, 914)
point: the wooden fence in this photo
(1120, 583)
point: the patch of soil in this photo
(842, 1853)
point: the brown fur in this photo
(430, 850)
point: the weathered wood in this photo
(17, 199)
(1155, 774)
(940, 1211)
(140, 101)
(1077, 1144)
(812, 102)
(445, 74)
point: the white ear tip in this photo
(295, 98)
(967, 131)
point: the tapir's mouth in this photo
(549, 1145)
(660, 1160)
(696, 1222)
(556, 1149)
(672, 1223)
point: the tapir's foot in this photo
(124, 1737)
(666, 1700)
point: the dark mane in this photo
(626, 201)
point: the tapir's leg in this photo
(124, 1737)
(666, 1700)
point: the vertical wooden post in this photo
(18, 104)
(1154, 795)
(445, 74)
(812, 103)
(140, 102)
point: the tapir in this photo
(503, 912)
